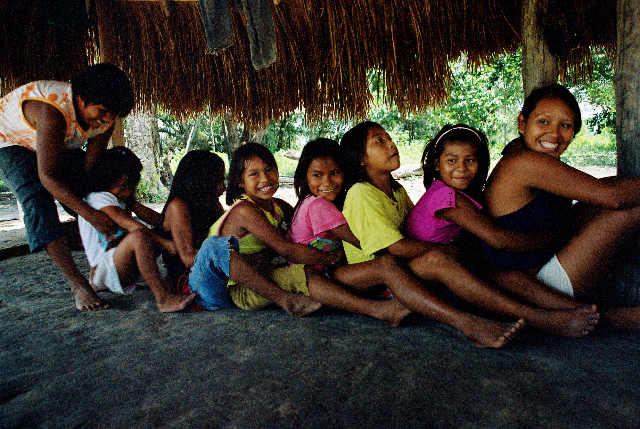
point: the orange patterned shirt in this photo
(14, 128)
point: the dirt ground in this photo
(131, 366)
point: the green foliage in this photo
(486, 96)
(588, 148)
(286, 166)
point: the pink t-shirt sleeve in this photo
(313, 219)
(422, 222)
(324, 216)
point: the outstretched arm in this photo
(467, 215)
(247, 217)
(344, 233)
(50, 128)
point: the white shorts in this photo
(554, 276)
(106, 275)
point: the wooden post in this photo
(108, 55)
(539, 66)
(627, 90)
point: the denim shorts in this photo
(210, 272)
(19, 172)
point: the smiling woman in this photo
(531, 190)
(42, 125)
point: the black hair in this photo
(111, 166)
(107, 85)
(318, 148)
(354, 147)
(458, 133)
(554, 90)
(238, 162)
(195, 182)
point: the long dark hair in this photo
(236, 167)
(110, 167)
(354, 146)
(196, 183)
(318, 148)
(457, 133)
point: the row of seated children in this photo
(237, 263)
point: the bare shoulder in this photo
(285, 206)
(175, 211)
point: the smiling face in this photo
(259, 180)
(549, 127)
(324, 178)
(92, 115)
(381, 154)
(457, 165)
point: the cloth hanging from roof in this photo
(216, 19)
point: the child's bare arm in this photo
(344, 233)
(410, 248)
(473, 220)
(146, 214)
(247, 217)
(178, 220)
(122, 217)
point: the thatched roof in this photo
(325, 49)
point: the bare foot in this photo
(489, 333)
(171, 302)
(86, 298)
(576, 322)
(624, 318)
(97, 288)
(392, 312)
(299, 305)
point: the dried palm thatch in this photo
(326, 49)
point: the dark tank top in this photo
(546, 213)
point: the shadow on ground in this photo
(133, 367)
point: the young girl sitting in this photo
(257, 220)
(531, 189)
(117, 261)
(192, 207)
(317, 222)
(456, 164)
(376, 208)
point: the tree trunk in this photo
(142, 138)
(539, 66)
(233, 136)
(627, 89)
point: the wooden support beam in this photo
(539, 66)
(627, 88)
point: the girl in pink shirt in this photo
(456, 165)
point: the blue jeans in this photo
(210, 272)
(19, 171)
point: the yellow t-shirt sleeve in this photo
(374, 220)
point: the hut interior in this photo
(325, 49)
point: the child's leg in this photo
(415, 296)
(136, 254)
(437, 266)
(247, 276)
(329, 293)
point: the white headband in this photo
(457, 128)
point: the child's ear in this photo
(436, 163)
(521, 123)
